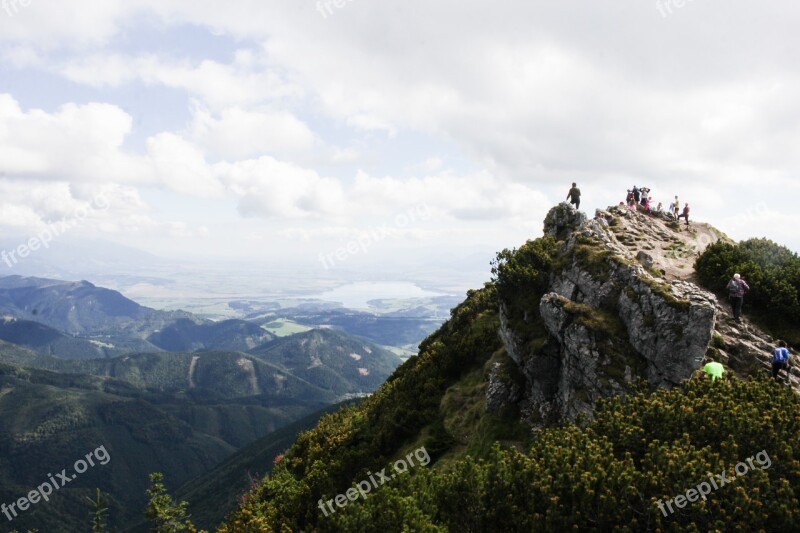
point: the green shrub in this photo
(521, 277)
(773, 274)
(611, 475)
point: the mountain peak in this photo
(620, 303)
(609, 315)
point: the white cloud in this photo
(479, 196)
(182, 167)
(55, 24)
(236, 133)
(245, 81)
(531, 95)
(78, 142)
(182, 230)
(30, 206)
(271, 188)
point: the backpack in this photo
(780, 355)
(734, 287)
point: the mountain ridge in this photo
(588, 308)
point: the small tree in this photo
(100, 509)
(166, 515)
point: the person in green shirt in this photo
(714, 369)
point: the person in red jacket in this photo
(685, 213)
(737, 287)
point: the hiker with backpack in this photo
(780, 359)
(574, 196)
(637, 195)
(737, 287)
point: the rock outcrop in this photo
(610, 318)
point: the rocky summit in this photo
(621, 306)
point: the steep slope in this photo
(575, 319)
(404, 412)
(608, 321)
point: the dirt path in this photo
(672, 250)
(672, 246)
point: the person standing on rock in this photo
(780, 359)
(685, 213)
(645, 192)
(676, 207)
(737, 287)
(574, 196)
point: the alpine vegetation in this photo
(717, 481)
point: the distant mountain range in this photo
(187, 335)
(79, 320)
(77, 308)
(83, 366)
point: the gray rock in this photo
(502, 390)
(645, 259)
(609, 320)
(561, 219)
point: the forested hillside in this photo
(498, 465)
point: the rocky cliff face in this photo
(610, 321)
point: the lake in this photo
(356, 295)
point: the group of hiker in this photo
(639, 198)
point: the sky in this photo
(349, 133)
